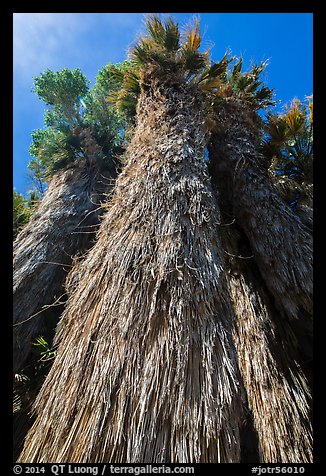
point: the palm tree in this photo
(271, 350)
(23, 209)
(269, 360)
(280, 241)
(289, 146)
(146, 369)
(75, 153)
(61, 227)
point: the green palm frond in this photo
(236, 70)
(249, 87)
(163, 33)
(243, 81)
(265, 96)
(131, 81)
(45, 353)
(144, 52)
(217, 70)
(172, 36)
(192, 38)
(257, 69)
(295, 117)
(193, 61)
(160, 45)
(155, 28)
(211, 85)
(253, 86)
(277, 129)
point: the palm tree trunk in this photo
(62, 226)
(290, 190)
(277, 391)
(146, 369)
(281, 243)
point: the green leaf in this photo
(172, 36)
(192, 38)
(237, 69)
(193, 61)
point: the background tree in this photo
(263, 241)
(289, 147)
(22, 209)
(69, 156)
(145, 363)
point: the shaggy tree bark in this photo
(271, 349)
(277, 391)
(281, 243)
(289, 190)
(62, 226)
(146, 369)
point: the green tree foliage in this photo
(288, 144)
(62, 90)
(289, 141)
(73, 107)
(22, 209)
(180, 52)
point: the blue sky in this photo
(91, 40)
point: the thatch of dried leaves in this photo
(277, 391)
(281, 243)
(63, 225)
(146, 370)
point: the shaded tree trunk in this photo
(280, 241)
(267, 247)
(278, 394)
(62, 226)
(290, 190)
(146, 369)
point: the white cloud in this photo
(47, 40)
(40, 39)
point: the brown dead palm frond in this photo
(146, 369)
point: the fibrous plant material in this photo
(291, 191)
(288, 143)
(63, 225)
(281, 243)
(277, 391)
(146, 369)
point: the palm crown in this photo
(178, 54)
(289, 141)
